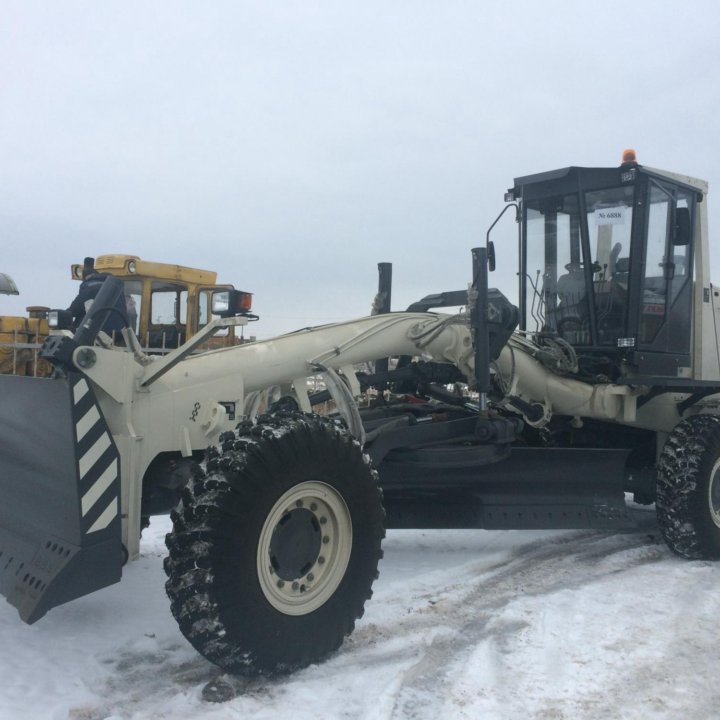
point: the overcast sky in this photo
(291, 146)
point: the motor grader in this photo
(166, 304)
(601, 384)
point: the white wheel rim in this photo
(320, 512)
(714, 494)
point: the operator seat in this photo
(622, 270)
(570, 315)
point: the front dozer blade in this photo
(59, 494)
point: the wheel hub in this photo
(304, 548)
(295, 544)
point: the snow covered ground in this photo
(463, 624)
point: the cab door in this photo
(168, 315)
(664, 301)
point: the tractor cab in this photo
(606, 264)
(165, 304)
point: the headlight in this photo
(228, 303)
(59, 320)
(221, 303)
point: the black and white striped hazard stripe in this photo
(97, 462)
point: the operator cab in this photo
(606, 264)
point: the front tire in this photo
(274, 551)
(688, 488)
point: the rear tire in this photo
(274, 551)
(688, 488)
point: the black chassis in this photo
(443, 464)
(446, 462)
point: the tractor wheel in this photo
(275, 547)
(688, 488)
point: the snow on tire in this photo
(688, 488)
(275, 546)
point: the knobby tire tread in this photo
(212, 580)
(682, 505)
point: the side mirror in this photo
(488, 243)
(681, 231)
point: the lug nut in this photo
(295, 585)
(326, 539)
(313, 506)
(281, 583)
(323, 520)
(321, 560)
(310, 577)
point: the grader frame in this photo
(277, 514)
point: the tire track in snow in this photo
(468, 618)
(457, 614)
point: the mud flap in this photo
(60, 533)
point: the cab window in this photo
(133, 302)
(168, 314)
(557, 297)
(168, 304)
(204, 299)
(667, 265)
(609, 222)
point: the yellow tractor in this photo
(166, 305)
(19, 337)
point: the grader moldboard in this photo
(611, 385)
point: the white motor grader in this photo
(605, 380)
